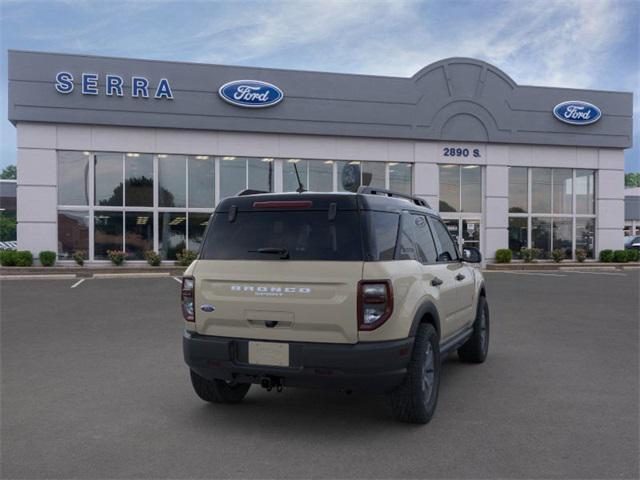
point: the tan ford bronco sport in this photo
(354, 291)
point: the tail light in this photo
(186, 299)
(375, 303)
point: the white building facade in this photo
(112, 170)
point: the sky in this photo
(565, 43)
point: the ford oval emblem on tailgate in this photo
(207, 308)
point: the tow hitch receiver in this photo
(271, 382)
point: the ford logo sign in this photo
(250, 93)
(577, 112)
(207, 308)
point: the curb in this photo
(561, 266)
(89, 272)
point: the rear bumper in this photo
(370, 366)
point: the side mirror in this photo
(471, 255)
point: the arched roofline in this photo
(446, 62)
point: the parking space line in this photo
(598, 273)
(78, 283)
(178, 280)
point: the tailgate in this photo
(309, 301)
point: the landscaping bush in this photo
(503, 255)
(117, 257)
(153, 258)
(620, 256)
(8, 258)
(24, 258)
(526, 254)
(47, 258)
(633, 255)
(80, 256)
(606, 256)
(581, 254)
(558, 255)
(186, 257)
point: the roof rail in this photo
(389, 193)
(249, 191)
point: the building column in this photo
(36, 194)
(610, 200)
(426, 176)
(496, 209)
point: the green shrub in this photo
(117, 257)
(503, 255)
(526, 254)
(633, 255)
(153, 258)
(24, 258)
(186, 257)
(620, 256)
(80, 256)
(581, 254)
(47, 258)
(558, 255)
(606, 255)
(8, 258)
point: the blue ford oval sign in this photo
(251, 93)
(577, 112)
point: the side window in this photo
(383, 234)
(424, 240)
(447, 251)
(406, 248)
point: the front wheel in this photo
(476, 348)
(218, 391)
(415, 400)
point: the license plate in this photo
(269, 353)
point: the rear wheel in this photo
(415, 400)
(476, 348)
(218, 391)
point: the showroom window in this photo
(315, 175)
(139, 201)
(346, 176)
(460, 188)
(240, 173)
(551, 208)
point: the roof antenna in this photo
(300, 188)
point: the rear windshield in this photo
(275, 235)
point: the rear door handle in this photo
(460, 277)
(436, 282)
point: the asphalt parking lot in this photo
(94, 386)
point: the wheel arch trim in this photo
(427, 308)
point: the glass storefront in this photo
(461, 202)
(138, 202)
(551, 208)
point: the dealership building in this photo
(134, 155)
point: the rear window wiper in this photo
(283, 252)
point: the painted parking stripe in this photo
(178, 280)
(78, 283)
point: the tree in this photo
(9, 172)
(632, 180)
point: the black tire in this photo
(415, 400)
(476, 348)
(218, 391)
